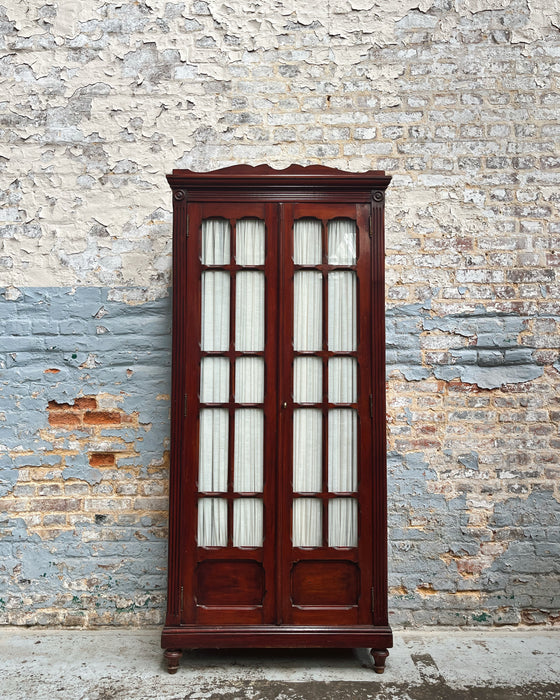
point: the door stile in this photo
(231, 409)
(271, 410)
(284, 404)
(324, 393)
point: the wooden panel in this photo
(325, 583)
(225, 583)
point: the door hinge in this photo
(181, 601)
(185, 406)
(372, 599)
(188, 226)
(370, 226)
(371, 406)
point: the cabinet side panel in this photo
(180, 223)
(379, 505)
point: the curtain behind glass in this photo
(215, 242)
(249, 241)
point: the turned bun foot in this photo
(379, 657)
(173, 656)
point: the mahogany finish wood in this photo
(277, 595)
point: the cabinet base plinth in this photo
(176, 638)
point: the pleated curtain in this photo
(342, 424)
(248, 428)
(308, 389)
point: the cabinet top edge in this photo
(265, 176)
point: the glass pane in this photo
(307, 527)
(342, 311)
(343, 522)
(213, 449)
(343, 450)
(214, 380)
(343, 380)
(249, 380)
(307, 242)
(212, 522)
(248, 450)
(249, 311)
(307, 452)
(248, 522)
(308, 379)
(215, 311)
(215, 242)
(342, 242)
(249, 241)
(308, 310)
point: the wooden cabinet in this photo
(278, 479)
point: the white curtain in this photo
(248, 522)
(342, 450)
(214, 380)
(248, 450)
(307, 453)
(212, 522)
(213, 449)
(248, 429)
(308, 385)
(342, 242)
(342, 311)
(343, 380)
(308, 310)
(215, 310)
(343, 522)
(249, 311)
(249, 237)
(307, 526)
(342, 424)
(307, 242)
(308, 380)
(215, 242)
(249, 380)
(214, 384)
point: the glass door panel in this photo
(246, 435)
(328, 384)
(314, 267)
(232, 339)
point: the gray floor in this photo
(440, 664)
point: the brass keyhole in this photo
(284, 404)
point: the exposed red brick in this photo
(102, 418)
(85, 402)
(52, 371)
(63, 419)
(102, 459)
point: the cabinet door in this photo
(230, 425)
(325, 352)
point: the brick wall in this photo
(458, 101)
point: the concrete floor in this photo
(428, 664)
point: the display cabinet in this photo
(277, 532)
